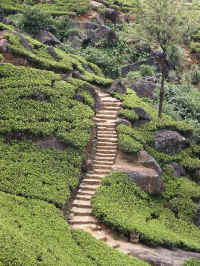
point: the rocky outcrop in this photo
(112, 14)
(143, 116)
(102, 33)
(178, 169)
(117, 86)
(149, 181)
(169, 141)
(148, 161)
(3, 45)
(144, 87)
(47, 37)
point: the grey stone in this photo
(136, 66)
(142, 114)
(149, 183)
(3, 45)
(144, 87)
(123, 122)
(50, 142)
(112, 14)
(102, 33)
(148, 161)
(178, 169)
(168, 141)
(47, 37)
(117, 86)
(76, 38)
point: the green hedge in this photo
(166, 220)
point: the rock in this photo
(136, 66)
(47, 37)
(134, 237)
(178, 169)
(53, 53)
(148, 161)
(197, 218)
(123, 122)
(117, 86)
(76, 38)
(112, 14)
(150, 183)
(100, 20)
(197, 174)
(142, 114)
(85, 25)
(144, 87)
(3, 45)
(96, 4)
(50, 142)
(168, 141)
(102, 33)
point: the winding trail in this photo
(103, 161)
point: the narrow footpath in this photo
(103, 161)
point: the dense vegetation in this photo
(50, 98)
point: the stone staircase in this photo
(105, 154)
(103, 161)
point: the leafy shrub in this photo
(192, 262)
(34, 20)
(146, 70)
(128, 144)
(153, 218)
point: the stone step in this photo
(106, 116)
(91, 181)
(107, 140)
(93, 176)
(107, 112)
(103, 128)
(113, 244)
(101, 171)
(100, 124)
(111, 108)
(108, 134)
(103, 162)
(83, 220)
(103, 156)
(86, 227)
(81, 204)
(83, 197)
(89, 187)
(106, 143)
(86, 192)
(81, 211)
(111, 103)
(100, 236)
(103, 167)
(127, 252)
(106, 152)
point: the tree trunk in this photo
(162, 92)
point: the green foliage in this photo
(56, 8)
(37, 109)
(129, 114)
(34, 232)
(129, 145)
(156, 219)
(34, 20)
(146, 70)
(192, 262)
(102, 254)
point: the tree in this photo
(165, 23)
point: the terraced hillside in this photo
(84, 158)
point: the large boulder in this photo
(3, 45)
(144, 87)
(125, 122)
(169, 141)
(112, 14)
(77, 38)
(148, 161)
(117, 86)
(47, 37)
(142, 115)
(136, 66)
(177, 169)
(102, 33)
(149, 181)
